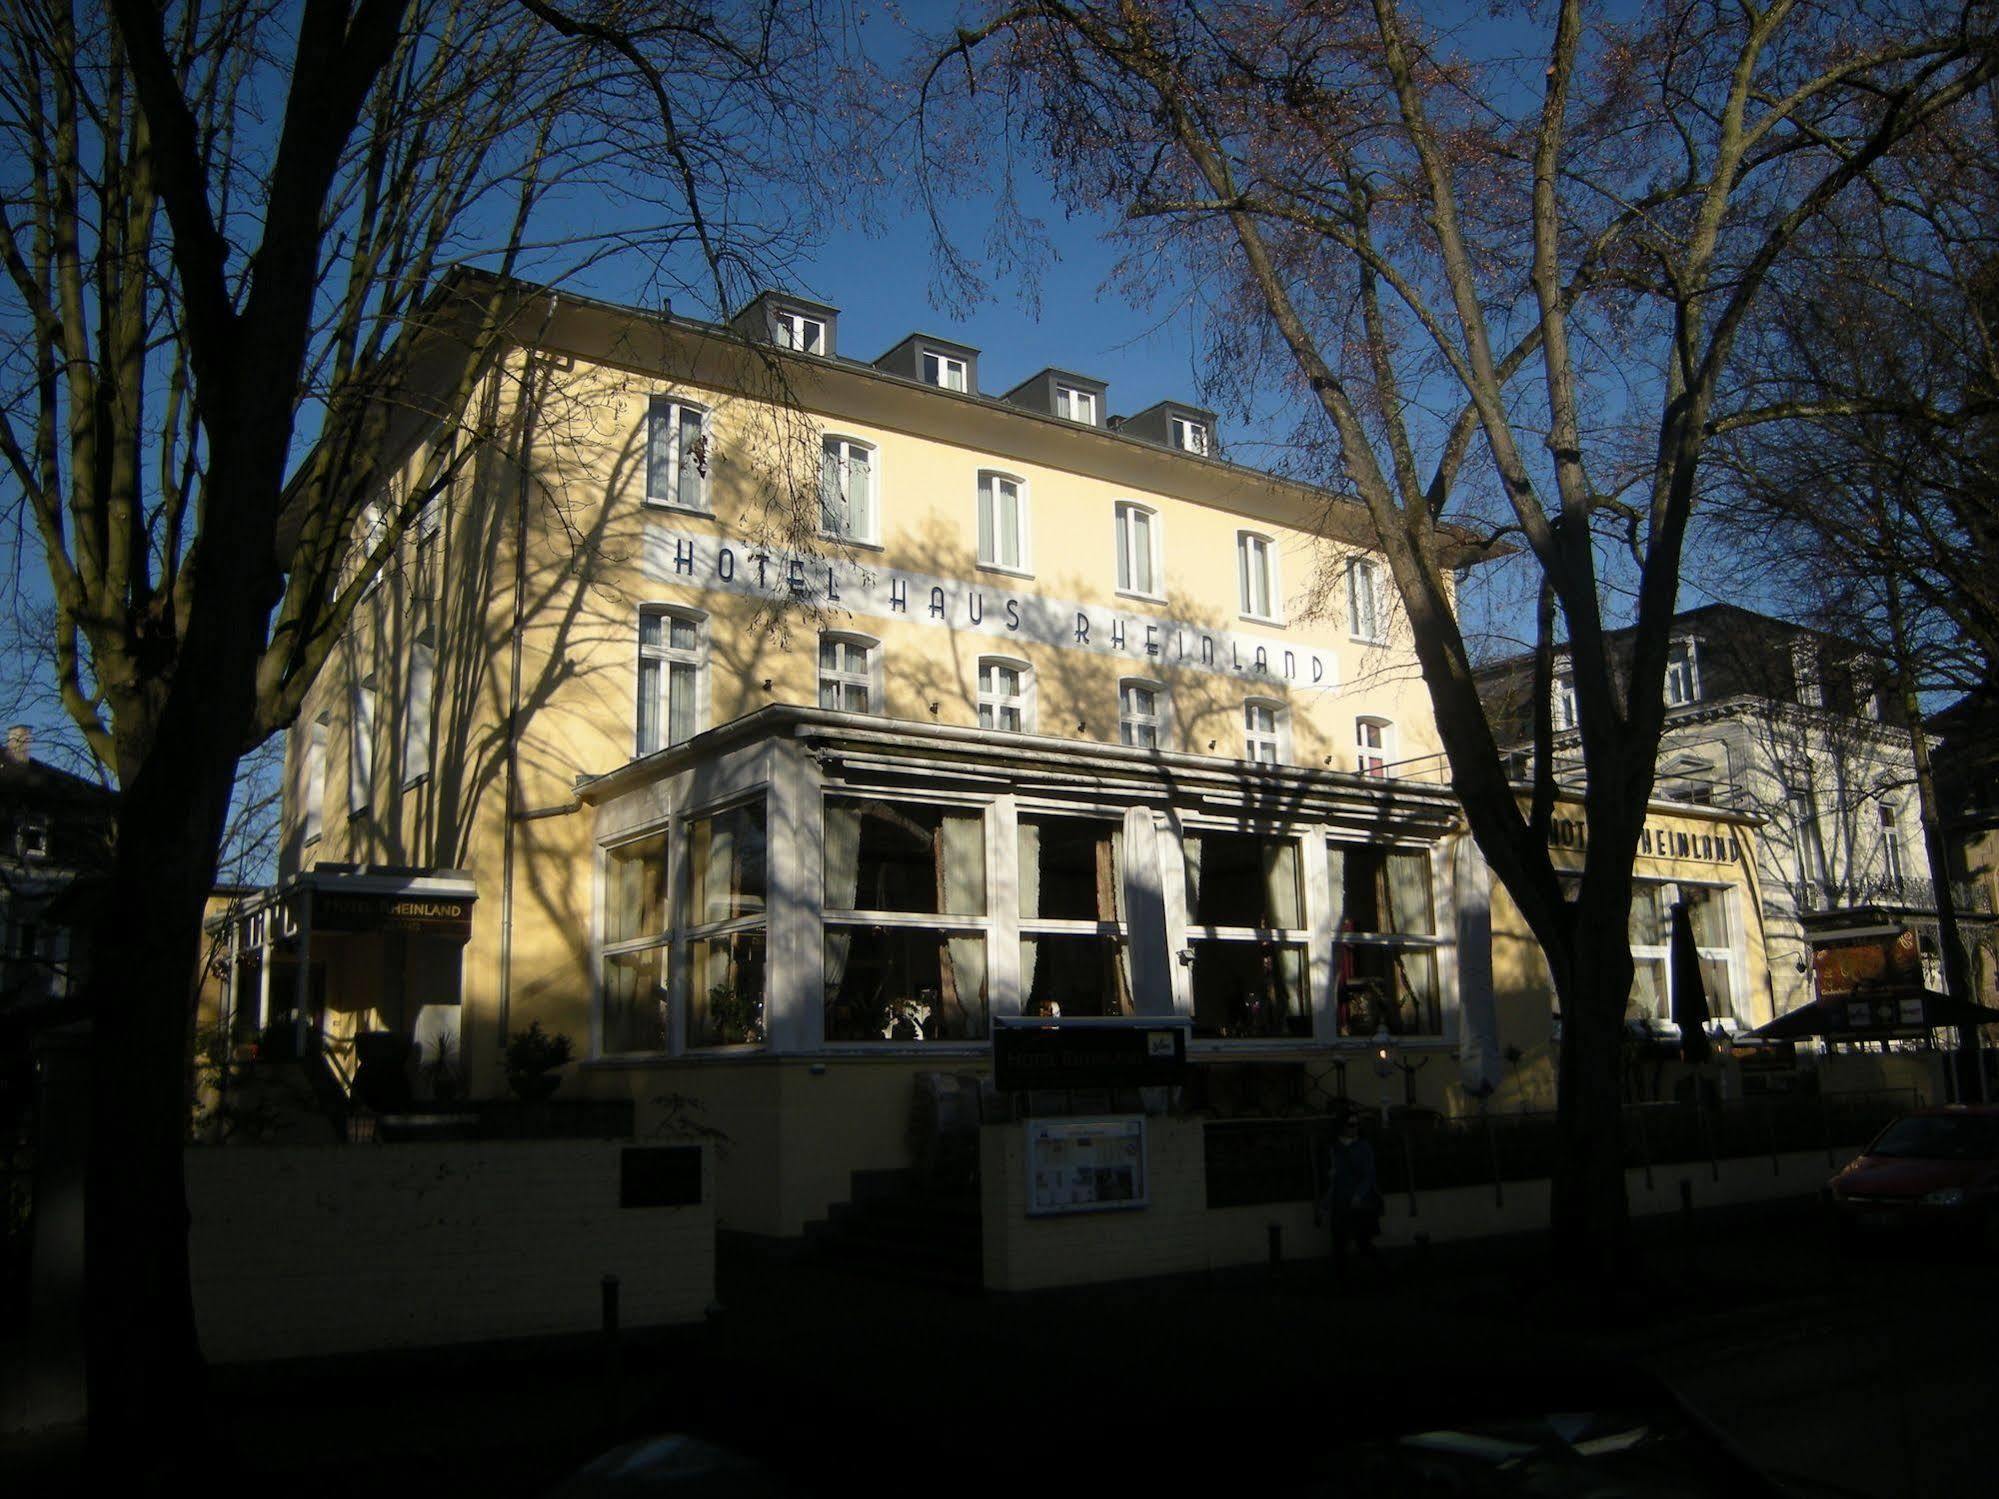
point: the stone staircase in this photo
(894, 1229)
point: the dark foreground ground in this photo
(1831, 1375)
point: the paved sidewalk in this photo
(827, 1377)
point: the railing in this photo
(1910, 894)
(1281, 1160)
(1694, 789)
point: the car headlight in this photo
(1947, 1197)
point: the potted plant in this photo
(733, 1017)
(532, 1057)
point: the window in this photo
(361, 746)
(1137, 549)
(847, 490)
(943, 369)
(677, 455)
(1708, 913)
(727, 873)
(633, 1009)
(1806, 842)
(1187, 435)
(315, 776)
(907, 921)
(1073, 957)
(374, 526)
(794, 330)
(1389, 942)
(670, 666)
(1076, 405)
(1866, 694)
(1005, 695)
(1256, 573)
(1262, 731)
(1564, 702)
(1683, 683)
(1893, 866)
(1246, 928)
(1141, 713)
(418, 690)
(846, 673)
(1373, 741)
(1002, 522)
(1805, 671)
(1366, 619)
(31, 836)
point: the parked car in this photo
(1935, 1171)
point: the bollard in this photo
(614, 1364)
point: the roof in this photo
(36, 781)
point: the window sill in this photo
(676, 508)
(1004, 571)
(854, 542)
(1143, 598)
(416, 780)
(1366, 639)
(1262, 619)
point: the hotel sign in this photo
(836, 584)
(433, 915)
(1655, 841)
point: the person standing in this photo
(1351, 1199)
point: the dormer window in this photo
(1188, 435)
(1683, 682)
(943, 370)
(794, 330)
(1805, 669)
(1564, 702)
(31, 837)
(1076, 405)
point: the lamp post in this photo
(1384, 1065)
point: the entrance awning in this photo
(1886, 1015)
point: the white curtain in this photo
(843, 878)
(967, 957)
(963, 853)
(719, 875)
(1120, 912)
(1409, 894)
(1282, 904)
(1029, 879)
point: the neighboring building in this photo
(54, 828)
(1803, 730)
(774, 820)
(1967, 774)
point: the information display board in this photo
(1085, 1165)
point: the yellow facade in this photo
(501, 674)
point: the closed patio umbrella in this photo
(1690, 1010)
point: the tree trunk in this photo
(143, 1356)
(1589, 1215)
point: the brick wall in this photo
(307, 1250)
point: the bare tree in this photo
(1511, 284)
(226, 230)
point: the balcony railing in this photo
(1911, 894)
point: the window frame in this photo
(1440, 942)
(848, 444)
(1373, 759)
(668, 655)
(1276, 738)
(419, 708)
(362, 713)
(671, 407)
(1364, 580)
(1682, 691)
(661, 940)
(1131, 723)
(947, 363)
(1189, 434)
(1562, 702)
(1073, 397)
(1023, 701)
(988, 480)
(1894, 858)
(868, 679)
(1263, 543)
(787, 322)
(1301, 938)
(1127, 552)
(313, 773)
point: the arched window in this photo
(850, 484)
(1141, 718)
(1263, 725)
(1138, 549)
(1374, 745)
(677, 454)
(1006, 695)
(1256, 574)
(848, 670)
